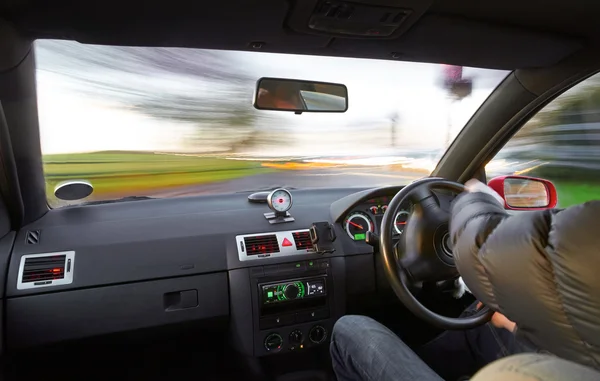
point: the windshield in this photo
(167, 122)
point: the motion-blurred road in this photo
(314, 178)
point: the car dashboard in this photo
(126, 266)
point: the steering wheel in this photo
(425, 252)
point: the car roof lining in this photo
(504, 35)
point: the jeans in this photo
(363, 349)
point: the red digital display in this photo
(379, 201)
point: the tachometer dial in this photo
(357, 225)
(400, 221)
(280, 200)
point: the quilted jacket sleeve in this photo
(541, 269)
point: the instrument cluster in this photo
(368, 216)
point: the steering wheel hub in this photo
(443, 245)
(447, 245)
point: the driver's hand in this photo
(500, 321)
(475, 185)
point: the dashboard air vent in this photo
(302, 240)
(261, 244)
(50, 269)
(32, 237)
(251, 247)
(44, 268)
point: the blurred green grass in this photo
(573, 193)
(119, 173)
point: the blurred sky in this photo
(75, 118)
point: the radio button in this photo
(292, 267)
(303, 317)
(277, 321)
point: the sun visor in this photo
(443, 39)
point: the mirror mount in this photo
(525, 193)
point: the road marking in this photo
(360, 174)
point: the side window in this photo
(561, 144)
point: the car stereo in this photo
(289, 290)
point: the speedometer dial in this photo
(400, 221)
(357, 225)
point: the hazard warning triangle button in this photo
(286, 242)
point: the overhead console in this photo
(356, 19)
(421, 31)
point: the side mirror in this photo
(525, 193)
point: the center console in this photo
(277, 307)
(293, 306)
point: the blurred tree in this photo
(205, 88)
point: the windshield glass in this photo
(167, 122)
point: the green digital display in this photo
(360, 236)
(270, 294)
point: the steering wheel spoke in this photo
(423, 253)
(427, 203)
(420, 194)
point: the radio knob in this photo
(317, 334)
(273, 342)
(291, 291)
(296, 337)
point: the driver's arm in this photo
(475, 215)
(538, 268)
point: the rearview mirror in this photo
(300, 96)
(525, 193)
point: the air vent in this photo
(261, 244)
(44, 268)
(32, 237)
(302, 240)
(48, 269)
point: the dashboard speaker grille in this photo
(44, 268)
(302, 240)
(261, 244)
